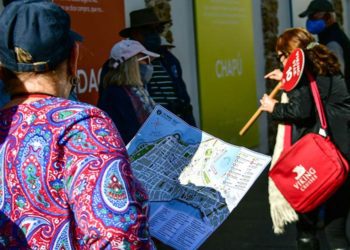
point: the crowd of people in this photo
(66, 180)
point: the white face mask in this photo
(146, 72)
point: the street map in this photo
(193, 179)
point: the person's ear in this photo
(328, 17)
(73, 60)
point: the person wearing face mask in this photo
(321, 21)
(146, 72)
(122, 94)
(297, 109)
(166, 87)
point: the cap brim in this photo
(168, 45)
(149, 53)
(304, 13)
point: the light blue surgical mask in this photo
(146, 72)
(315, 26)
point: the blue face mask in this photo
(315, 26)
(146, 72)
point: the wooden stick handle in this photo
(259, 111)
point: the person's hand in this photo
(267, 103)
(275, 75)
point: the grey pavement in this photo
(249, 226)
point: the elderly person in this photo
(122, 92)
(65, 178)
(166, 87)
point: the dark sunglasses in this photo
(279, 56)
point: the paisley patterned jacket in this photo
(66, 182)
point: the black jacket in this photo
(116, 102)
(183, 105)
(302, 114)
(334, 33)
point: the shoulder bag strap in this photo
(317, 99)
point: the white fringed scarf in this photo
(281, 212)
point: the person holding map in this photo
(65, 176)
(122, 94)
(166, 86)
(297, 108)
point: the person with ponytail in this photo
(297, 108)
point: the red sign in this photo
(99, 22)
(293, 70)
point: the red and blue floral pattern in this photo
(66, 182)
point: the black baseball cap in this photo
(317, 6)
(39, 27)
